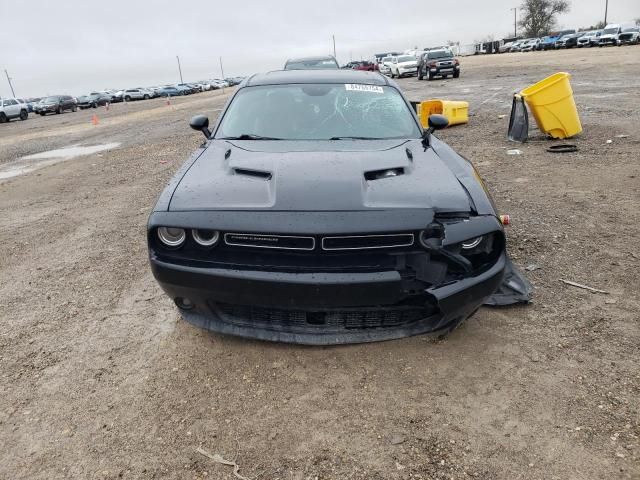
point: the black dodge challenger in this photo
(319, 211)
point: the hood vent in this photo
(384, 173)
(253, 173)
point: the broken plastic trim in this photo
(514, 289)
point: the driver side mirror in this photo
(201, 123)
(438, 122)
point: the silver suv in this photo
(137, 94)
(12, 108)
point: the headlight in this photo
(472, 243)
(206, 238)
(171, 236)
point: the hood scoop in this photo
(384, 173)
(253, 173)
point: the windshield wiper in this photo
(356, 138)
(250, 136)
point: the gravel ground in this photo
(101, 379)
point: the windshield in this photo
(387, 59)
(311, 64)
(318, 112)
(406, 58)
(438, 54)
(51, 99)
(633, 29)
(610, 30)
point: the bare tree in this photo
(538, 17)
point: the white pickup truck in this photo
(11, 108)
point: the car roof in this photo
(311, 59)
(285, 77)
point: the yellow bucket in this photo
(552, 105)
(456, 112)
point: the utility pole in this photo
(606, 10)
(334, 45)
(179, 69)
(515, 22)
(221, 69)
(9, 80)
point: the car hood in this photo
(318, 176)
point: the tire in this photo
(456, 75)
(94, 105)
(42, 114)
(24, 115)
(75, 108)
(127, 98)
(58, 110)
(3, 118)
(429, 76)
(146, 97)
(420, 74)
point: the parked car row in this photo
(425, 64)
(12, 108)
(612, 34)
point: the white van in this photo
(610, 33)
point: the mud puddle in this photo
(30, 163)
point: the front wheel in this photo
(24, 114)
(59, 110)
(146, 97)
(429, 75)
(75, 108)
(456, 75)
(3, 118)
(420, 74)
(127, 98)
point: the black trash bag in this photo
(515, 288)
(519, 120)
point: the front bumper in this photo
(48, 109)
(322, 308)
(449, 70)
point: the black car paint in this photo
(318, 188)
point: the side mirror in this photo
(201, 123)
(438, 122)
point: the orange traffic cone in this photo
(94, 119)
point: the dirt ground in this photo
(100, 379)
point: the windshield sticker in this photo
(363, 88)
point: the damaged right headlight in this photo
(480, 251)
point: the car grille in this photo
(284, 242)
(335, 319)
(362, 242)
(328, 243)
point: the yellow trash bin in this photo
(552, 105)
(455, 111)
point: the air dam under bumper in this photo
(321, 308)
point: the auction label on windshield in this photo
(356, 87)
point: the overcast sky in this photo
(73, 46)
